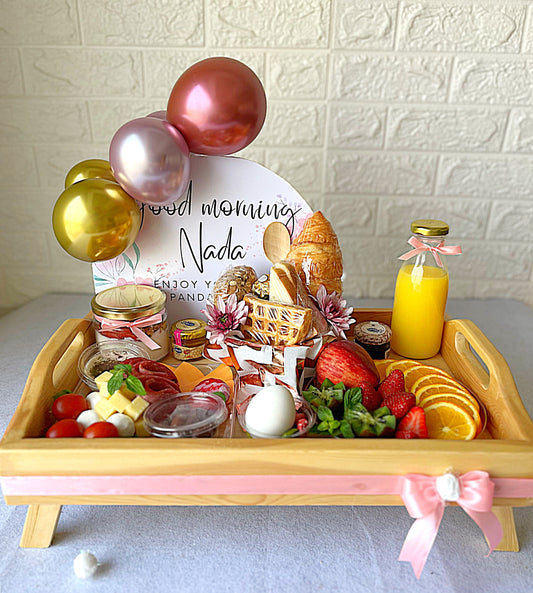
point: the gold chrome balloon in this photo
(95, 220)
(90, 169)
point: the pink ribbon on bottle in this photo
(135, 327)
(422, 496)
(436, 250)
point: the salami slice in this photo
(157, 387)
(151, 367)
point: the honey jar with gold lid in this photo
(188, 337)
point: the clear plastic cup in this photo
(102, 357)
(186, 415)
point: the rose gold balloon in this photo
(219, 105)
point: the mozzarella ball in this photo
(124, 424)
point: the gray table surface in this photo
(256, 549)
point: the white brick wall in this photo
(380, 111)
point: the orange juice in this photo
(418, 311)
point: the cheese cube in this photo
(140, 428)
(104, 408)
(118, 401)
(136, 408)
(101, 383)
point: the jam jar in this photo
(132, 312)
(188, 338)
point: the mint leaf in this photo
(134, 384)
(325, 414)
(116, 381)
(125, 368)
(346, 430)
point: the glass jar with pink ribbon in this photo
(421, 291)
(132, 312)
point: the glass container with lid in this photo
(132, 312)
(421, 291)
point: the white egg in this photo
(85, 565)
(88, 417)
(93, 398)
(124, 424)
(271, 411)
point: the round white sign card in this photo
(219, 222)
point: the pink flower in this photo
(334, 309)
(224, 317)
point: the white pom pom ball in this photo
(85, 565)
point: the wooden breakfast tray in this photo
(505, 451)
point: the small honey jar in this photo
(188, 337)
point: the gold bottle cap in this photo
(128, 302)
(429, 227)
(190, 329)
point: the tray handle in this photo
(476, 362)
(54, 368)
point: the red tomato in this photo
(69, 405)
(100, 430)
(66, 428)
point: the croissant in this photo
(316, 255)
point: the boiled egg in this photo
(271, 412)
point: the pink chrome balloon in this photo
(219, 105)
(150, 160)
(159, 114)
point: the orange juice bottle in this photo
(421, 292)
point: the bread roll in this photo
(317, 256)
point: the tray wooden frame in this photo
(505, 451)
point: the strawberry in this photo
(415, 422)
(405, 434)
(394, 383)
(371, 398)
(400, 403)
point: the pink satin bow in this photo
(135, 327)
(419, 247)
(424, 503)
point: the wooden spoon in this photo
(276, 242)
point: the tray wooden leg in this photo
(509, 541)
(40, 525)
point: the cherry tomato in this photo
(69, 405)
(66, 428)
(100, 430)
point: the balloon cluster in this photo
(217, 107)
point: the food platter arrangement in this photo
(236, 372)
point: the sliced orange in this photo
(447, 420)
(414, 373)
(433, 378)
(403, 365)
(443, 388)
(381, 366)
(454, 398)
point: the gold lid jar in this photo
(429, 227)
(188, 338)
(132, 312)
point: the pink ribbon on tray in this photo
(436, 250)
(425, 498)
(135, 327)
